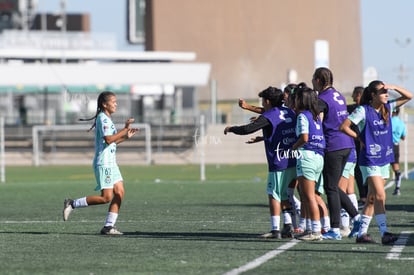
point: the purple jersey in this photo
(333, 118)
(352, 156)
(377, 137)
(278, 143)
(316, 139)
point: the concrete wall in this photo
(253, 44)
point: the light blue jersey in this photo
(105, 154)
(399, 130)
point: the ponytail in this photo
(102, 98)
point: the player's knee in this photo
(107, 198)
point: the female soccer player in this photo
(311, 146)
(108, 177)
(338, 146)
(373, 119)
(278, 125)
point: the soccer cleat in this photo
(388, 238)
(355, 228)
(312, 236)
(397, 192)
(345, 231)
(365, 238)
(110, 230)
(67, 208)
(301, 232)
(332, 235)
(274, 234)
(287, 231)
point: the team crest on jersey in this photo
(108, 179)
(374, 149)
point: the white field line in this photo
(399, 245)
(262, 259)
(123, 221)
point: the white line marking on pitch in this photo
(261, 260)
(398, 247)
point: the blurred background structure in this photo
(187, 59)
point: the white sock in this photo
(326, 223)
(275, 222)
(344, 218)
(293, 200)
(365, 221)
(316, 226)
(78, 203)
(308, 224)
(382, 223)
(302, 223)
(111, 218)
(354, 200)
(287, 218)
(336, 230)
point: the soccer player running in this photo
(373, 119)
(338, 147)
(311, 146)
(278, 125)
(108, 177)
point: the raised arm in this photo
(244, 105)
(405, 94)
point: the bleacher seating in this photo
(165, 138)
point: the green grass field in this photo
(175, 224)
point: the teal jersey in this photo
(399, 130)
(105, 154)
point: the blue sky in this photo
(386, 27)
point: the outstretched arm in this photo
(260, 123)
(244, 105)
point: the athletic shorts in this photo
(349, 170)
(107, 176)
(370, 171)
(277, 183)
(310, 166)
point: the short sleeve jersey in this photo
(105, 154)
(398, 129)
(307, 125)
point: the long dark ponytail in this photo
(102, 98)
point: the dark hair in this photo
(366, 97)
(358, 90)
(290, 90)
(307, 99)
(324, 75)
(102, 98)
(274, 95)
